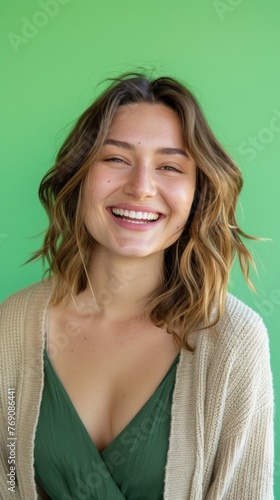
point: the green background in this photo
(55, 52)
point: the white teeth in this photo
(135, 215)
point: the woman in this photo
(135, 374)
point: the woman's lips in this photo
(135, 219)
(139, 217)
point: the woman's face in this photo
(139, 192)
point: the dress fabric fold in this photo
(69, 466)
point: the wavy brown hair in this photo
(197, 265)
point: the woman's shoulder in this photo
(17, 305)
(22, 317)
(239, 319)
(40, 289)
(241, 330)
(235, 352)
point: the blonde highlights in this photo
(197, 265)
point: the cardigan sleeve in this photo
(243, 468)
(21, 362)
(243, 465)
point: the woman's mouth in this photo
(135, 217)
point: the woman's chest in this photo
(109, 377)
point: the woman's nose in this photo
(141, 183)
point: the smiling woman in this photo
(144, 185)
(147, 379)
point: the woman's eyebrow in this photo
(121, 144)
(131, 147)
(172, 151)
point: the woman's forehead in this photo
(147, 122)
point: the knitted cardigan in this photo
(221, 435)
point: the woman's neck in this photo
(120, 286)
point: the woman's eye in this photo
(169, 168)
(115, 159)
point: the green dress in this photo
(68, 465)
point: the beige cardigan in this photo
(221, 437)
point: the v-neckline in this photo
(78, 418)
